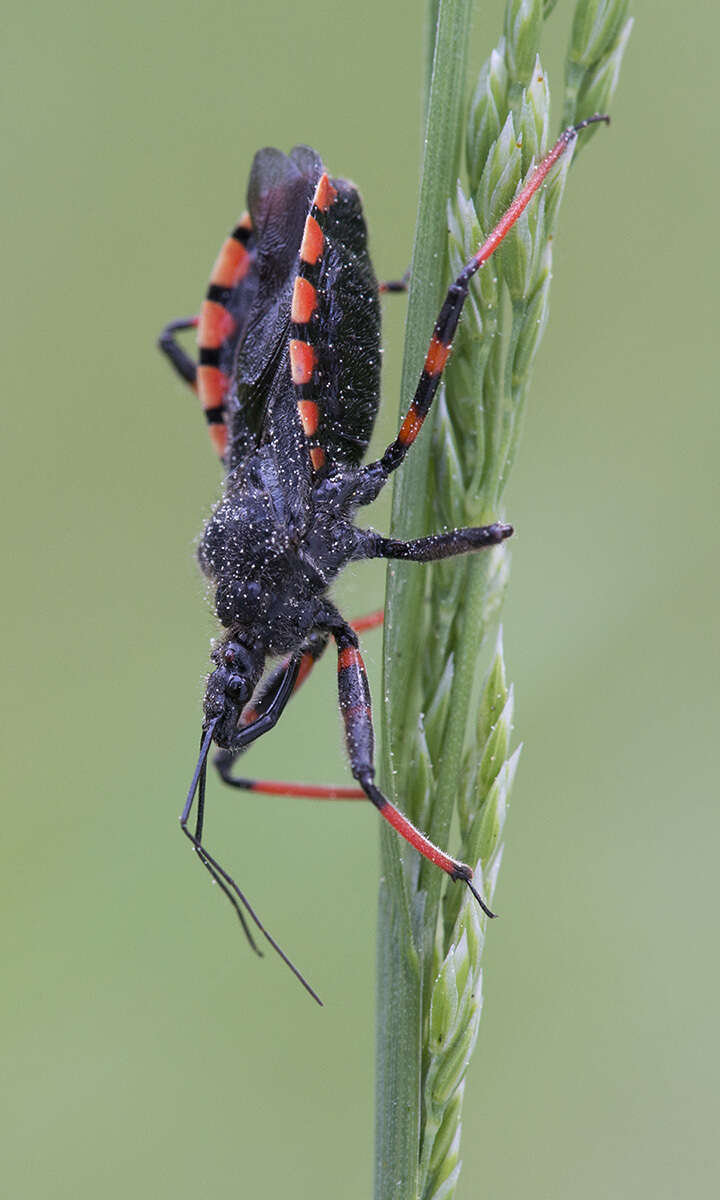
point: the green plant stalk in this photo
(430, 937)
(399, 992)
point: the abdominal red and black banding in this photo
(217, 325)
(303, 356)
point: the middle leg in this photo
(438, 545)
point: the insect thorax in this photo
(271, 569)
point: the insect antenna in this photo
(198, 786)
(224, 881)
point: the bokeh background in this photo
(145, 1051)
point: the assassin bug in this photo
(288, 375)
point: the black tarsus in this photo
(395, 285)
(488, 911)
(594, 120)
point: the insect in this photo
(288, 376)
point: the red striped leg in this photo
(395, 285)
(183, 364)
(356, 712)
(307, 791)
(303, 357)
(371, 621)
(224, 759)
(217, 325)
(446, 323)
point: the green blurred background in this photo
(146, 1052)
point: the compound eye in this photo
(236, 659)
(236, 684)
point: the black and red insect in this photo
(288, 375)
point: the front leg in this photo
(309, 652)
(274, 705)
(354, 695)
(307, 655)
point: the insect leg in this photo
(354, 695)
(395, 285)
(311, 651)
(439, 545)
(371, 621)
(286, 678)
(181, 361)
(449, 315)
(306, 791)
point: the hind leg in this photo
(185, 366)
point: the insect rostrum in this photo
(288, 375)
